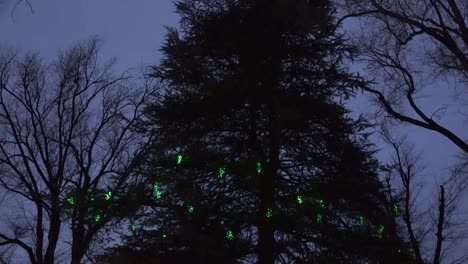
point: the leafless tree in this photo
(427, 222)
(66, 146)
(407, 45)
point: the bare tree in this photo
(65, 146)
(440, 218)
(408, 43)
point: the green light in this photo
(399, 250)
(71, 200)
(221, 172)
(229, 235)
(259, 167)
(395, 209)
(299, 199)
(361, 220)
(319, 218)
(321, 204)
(269, 213)
(164, 235)
(190, 209)
(156, 190)
(108, 195)
(381, 229)
(92, 198)
(97, 218)
(132, 227)
(179, 159)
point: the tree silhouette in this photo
(253, 158)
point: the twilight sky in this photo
(133, 31)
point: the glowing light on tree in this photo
(221, 172)
(229, 235)
(259, 167)
(381, 229)
(361, 220)
(71, 200)
(164, 235)
(269, 213)
(157, 192)
(299, 199)
(190, 209)
(179, 159)
(318, 219)
(321, 204)
(132, 227)
(395, 209)
(108, 195)
(97, 218)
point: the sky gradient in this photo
(133, 31)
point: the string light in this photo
(319, 218)
(164, 235)
(269, 213)
(229, 235)
(108, 195)
(179, 159)
(321, 204)
(71, 200)
(299, 199)
(381, 229)
(259, 167)
(221, 172)
(361, 220)
(132, 227)
(190, 209)
(395, 209)
(156, 190)
(97, 218)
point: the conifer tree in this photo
(253, 158)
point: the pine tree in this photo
(253, 157)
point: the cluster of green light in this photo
(399, 250)
(108, 195)
(71, 200)
(157, 192)
(164, 235)
(132, 227)
(319, 218)
(269, 213)
(92, 198)
(97, 218)
(299, 199)
(321, 204)
(381, 229)
(259, 167)
(190, 209)
(179, 159)
(361, 220)
(221, 172)
(395, 209)
(229, 235)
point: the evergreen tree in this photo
(253, 157)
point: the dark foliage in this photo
(256, 82)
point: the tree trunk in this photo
(54, 230)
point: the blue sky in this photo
(132, 31)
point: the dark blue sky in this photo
(133, 31)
